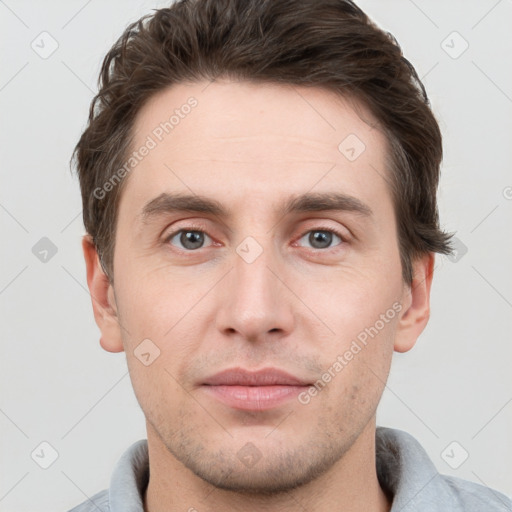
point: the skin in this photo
(296, 307)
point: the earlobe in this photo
(103, 299)
(416, 311)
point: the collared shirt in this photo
(404, 469)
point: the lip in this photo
(263, 377)
(254, 390)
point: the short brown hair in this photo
(330, 44)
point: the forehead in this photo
(250, 144)
(311, 120)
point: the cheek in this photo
(358, 368)
(161, 330)
(156, 389)
(353, 301)
(363, 310)
(152, 303)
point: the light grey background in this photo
(59, 386)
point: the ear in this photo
(416, 304)
(103, 299)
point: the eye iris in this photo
(323, 237)
(195, 239)
(192, 239)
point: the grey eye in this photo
(189, 239)
(320, 239)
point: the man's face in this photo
(256, 287)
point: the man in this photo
(259, 188)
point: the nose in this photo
(255, 303)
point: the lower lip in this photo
(254, 398)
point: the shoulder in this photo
(127, 484)
(473, 497)
(408, 474)
(97, 503)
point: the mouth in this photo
(254, 391)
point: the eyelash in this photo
(319, 228)
(327, 230)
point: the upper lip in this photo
(263, 377)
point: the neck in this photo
(350, 485)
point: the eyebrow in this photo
(167, 203)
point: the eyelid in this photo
(336, 231)
(329, 250)
(191, 226)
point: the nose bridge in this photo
(252, 276)
(253, 303)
